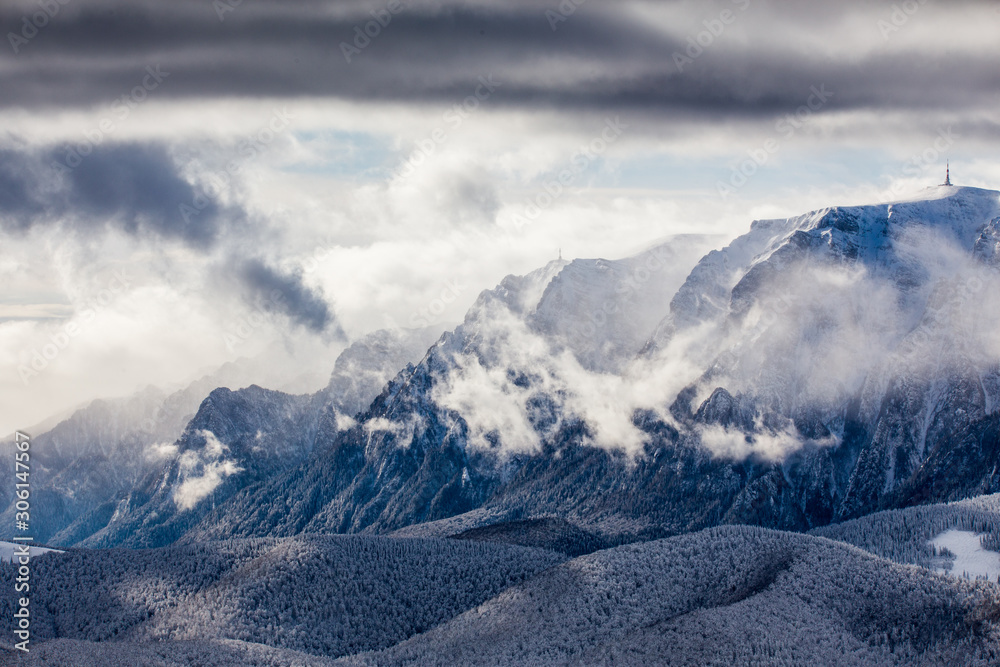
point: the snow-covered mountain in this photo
(551, 479)
(104, 449)
(732, 595)
(443, 436)
(817, 368)
(119, 461)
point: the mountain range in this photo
(816, 369)
(640, 421)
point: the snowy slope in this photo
(322, 595)
(726, 596)
(7, 551)
(966, 556)
(605, 310)
(914, 535)
(362, 370)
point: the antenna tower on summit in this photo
(947, 173)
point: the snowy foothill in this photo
(971, 559)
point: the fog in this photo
(811, 327)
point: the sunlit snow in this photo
(970, 558)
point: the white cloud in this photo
(393, 247)
(202, 471)
(345, 422)
(772, 446)
(161, 451)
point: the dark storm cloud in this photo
(131, 186)
(599, 57)
(21, 199)
(138, 189)
(274, 290)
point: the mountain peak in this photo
(936, 192)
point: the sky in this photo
(193, 182)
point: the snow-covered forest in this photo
(325, 595)
(743, 595)
(732, 595)
(905, 535)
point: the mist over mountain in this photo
(817, 368)
(500, 333)
(834, 372)
(94, 465)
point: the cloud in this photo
(345, 422)
(515, 388)
(195, 489)
(767, 445)
(202, 471)
(286, 293)
(138, 189)
(134, 187)
(606, 55)
(381, 424)
(161, 451)
(802, 334)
